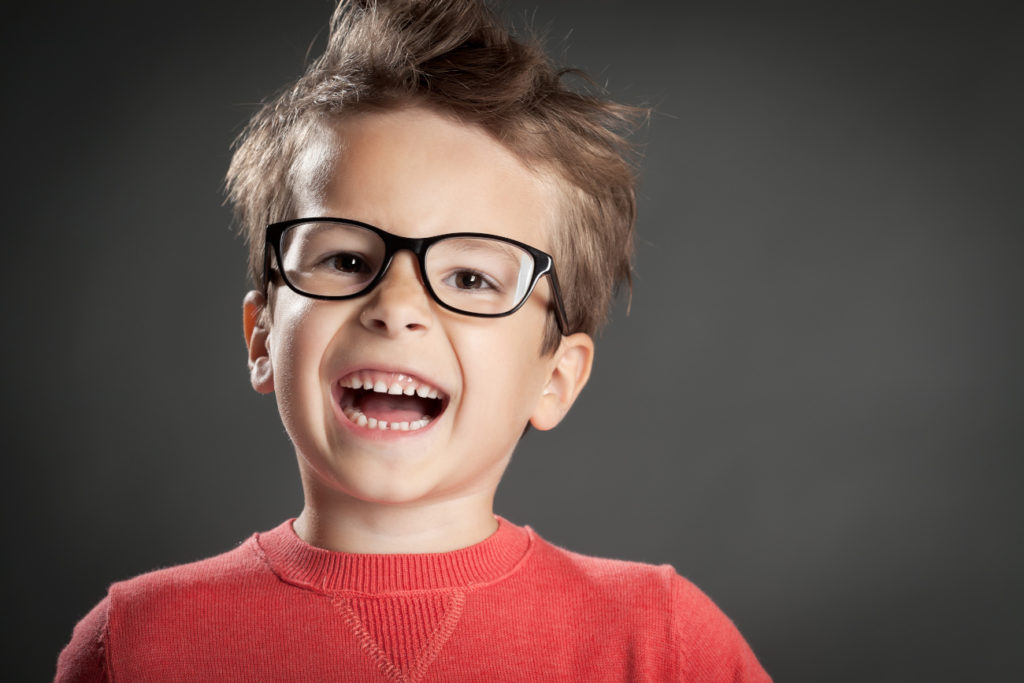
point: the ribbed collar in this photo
(305, 565)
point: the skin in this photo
(415, 173)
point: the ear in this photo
(257, 339)
(569, 374)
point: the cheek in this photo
(504, 374)
(300, 336)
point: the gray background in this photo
(812, 411)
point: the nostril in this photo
(371, 321)
(392, 319)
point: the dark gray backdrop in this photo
(812, 411)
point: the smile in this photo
(389, 401)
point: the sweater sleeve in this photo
(711, 647)
(83, 660)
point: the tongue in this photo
(392, 407)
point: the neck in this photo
(355, 526)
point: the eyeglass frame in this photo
(543, 264)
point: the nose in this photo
(399, 304)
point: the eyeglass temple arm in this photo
(269, 257)
(560, 316)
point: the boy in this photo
(407, 205)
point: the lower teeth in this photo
(357, 416)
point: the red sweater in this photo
(511, 608)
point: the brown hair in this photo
(454, 56)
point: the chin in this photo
(372, 483)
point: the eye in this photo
(470, 279)
(347, 263)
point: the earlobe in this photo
(257, 340)
(570, 371)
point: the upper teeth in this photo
(402, 384)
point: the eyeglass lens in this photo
(472, 274)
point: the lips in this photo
(389, 401)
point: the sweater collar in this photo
(299, 563)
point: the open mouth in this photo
(389, 400)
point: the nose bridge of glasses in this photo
(412, 248)
(403, 266)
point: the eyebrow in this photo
(464, 244)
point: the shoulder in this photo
(212, 572)
(203, 590)
(668, 608)
(712, 645)
(192, 586)
(154, 597)
(614, 577)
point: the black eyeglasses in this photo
(487, 276)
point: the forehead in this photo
(416, 172)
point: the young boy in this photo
(407, 204)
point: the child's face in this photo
(415, 174)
